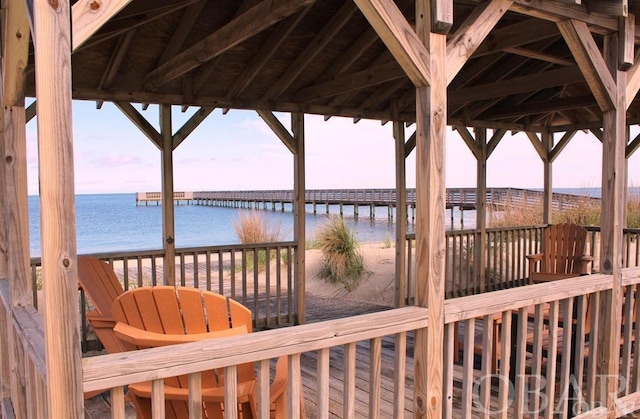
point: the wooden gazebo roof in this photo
(323, 57)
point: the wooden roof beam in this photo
(118, 26)
(266, 51)
(410, 145)
(589, 59)
(497, 136)
(539, 56)
(350, 82)
(115, 61)
(351, 55)
(281, 132)
(529, 83)
(140, 122)
(383, 93)
(399, 37)
(538, 107)
(181, 32)
(538, 146)
(608, 7)
(633, 82)
(319, 42)
(517, 34)
(248, 24)
(556, 11)
(471, 34)
(89, 15)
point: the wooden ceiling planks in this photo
(323, 57)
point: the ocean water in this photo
(113, 222)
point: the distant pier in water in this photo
(325, 200)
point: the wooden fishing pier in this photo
(281, 200)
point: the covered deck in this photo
(546, 68)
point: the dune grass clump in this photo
(253, 227)
(511, 216)
(342, 262)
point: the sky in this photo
(238, 151)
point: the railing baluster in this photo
(263, 389)
(322, 379)
(349, 402)
(399, 377)
(375, 377)
(157, 399)
(450, 355)
(568, 328)
(467, 367)
(195, 395)
(294, 387)
(231, 392)
(117, 403)
(552, 356)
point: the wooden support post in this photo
(297, 127)
(168, 213)
(5, 377)
(401, 212)
(611, 244)
(57, 209)
(431, 123)
(547, 144)
(480, 248)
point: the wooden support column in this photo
(297, 127)
(611, 244)
(431, 121)
(57, 209)
(480, 248)
(168, 213)
(5, 377)
(401, 211)
(547, 144)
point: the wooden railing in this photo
(529, 349)
(238, 271)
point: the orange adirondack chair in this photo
(158, 316)
(564, 254)
(101, 285)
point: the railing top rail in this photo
(115, 370)
(473, 306)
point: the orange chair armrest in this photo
(279, 384)
(209, 394)
(140, 337)
(535, 257)
(99, 321)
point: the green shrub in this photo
(342, 262)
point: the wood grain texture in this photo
(57, 205)
(299, 182)
(168, 210)
(251, 22)
(140, 122)
(399, 37)
(626, 42)
(589, 58)
(89, 15)
(401, 214)
(279, 130)
(16, 53)
(472, 33)
(633, 83)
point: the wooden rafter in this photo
(281, 132)
(194, 122)
(351, 55)
(609, 7)
(89, 15)
(400, 38)
(558, 10)
(253, 21)
(321, 40)
(441, 16)
(410, 145)
(266, 51)
(517, 34)
(529, 53)
(382, 94)
(471, 34)
(15, 55)
(133, 20)
(140, 122)
(117, 56)
(181, 32)
(516, 85)
(350, 82)
(589, 59)
(626, 43)
(543, 106)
